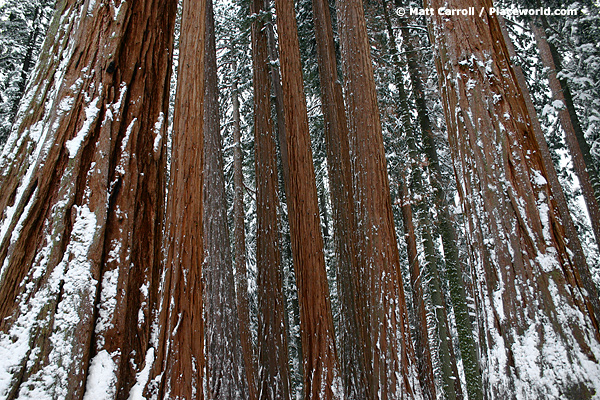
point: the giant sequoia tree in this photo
(226, 375)
(83, 189)
(321, 374)
(541, 331)
(351, 349)
(272, 344)
(390, 367)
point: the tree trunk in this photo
(225, 369)
(278, 97)
(321, 376)
(390, 367)
(351, 343)
(239, 248)
(583, 164)
(421, 335)
(447, 226)
(180, 362)
(273, 377)
(82, 196)
(571, 235)
(534, 311)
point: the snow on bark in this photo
(73, 219)
(539, 332)
(390, 358)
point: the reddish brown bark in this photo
(390, 367)
(86, 183)
(181, 355)
(273, 380)
(525, 276)
(351, 343)
(571, 235)
(316, 322)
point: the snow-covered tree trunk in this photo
(321, 374)
(273, 376)
(179, 367)
(583, 164)
(421, 331)
(390, 359)
(351, 345)
(447, 226)
(571, 234)
(225, 369)
(82, 199)
(541, 334)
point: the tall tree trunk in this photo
(537, 323)
(225, 370)
(82, 200)
(272, 341)
(321, 375)
(239, 248)
(455, 267)
(278, 96)
(390, 367)
(571, 235)
(351, 343)
(429, 270)
(421, 335)
(583, 164)
(180, 362)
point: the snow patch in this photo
(102, 379)
(538, 179)
(91, 113)
(157, 135)
(137, 390)
(108, 303)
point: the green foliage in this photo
(22, 29)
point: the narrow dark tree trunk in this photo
(38, 25)
(180, 362)
(225, 370)
(239, 248)
(321, 376)
(82, 200)
(273, 379)
(390, 367)
(28, 62)
(351, 343)
(421, 335)
(526, 278)
(583, 164)
(423, 348)
(278, 97)
(447, 226)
